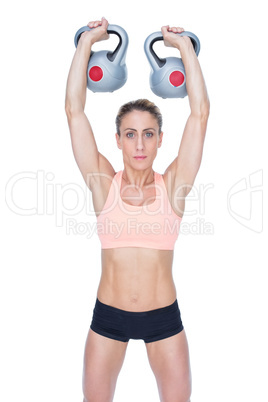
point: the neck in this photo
(138, 178)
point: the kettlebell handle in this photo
(112, 29)
(156, 61)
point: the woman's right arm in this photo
(91, 163)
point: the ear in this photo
(160, 139)
(118, 141)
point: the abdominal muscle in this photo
(137, 279)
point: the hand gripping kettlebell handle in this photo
(119, 52)
(157, 62)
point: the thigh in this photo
(170, 362)
(103, 360)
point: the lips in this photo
(140, 157)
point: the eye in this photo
(130, 135)
(148, 135)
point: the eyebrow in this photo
(146, 129)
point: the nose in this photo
(139, 144)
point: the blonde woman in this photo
(138, 212)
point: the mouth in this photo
(140, 157)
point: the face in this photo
(139, 139)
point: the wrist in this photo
(186, 49)
(86, 40)
(183, 43)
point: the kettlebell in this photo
(107, 71)
(168, 78)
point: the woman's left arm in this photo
(186, 165)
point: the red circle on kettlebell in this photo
(95, 73)
(176, 78)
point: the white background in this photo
(49, 277)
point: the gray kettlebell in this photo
(167, 78)
(107, 71)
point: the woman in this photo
(138, 212)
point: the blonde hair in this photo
(142, 105)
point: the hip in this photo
(122, 325)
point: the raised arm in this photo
(184, 168)
(85, 149)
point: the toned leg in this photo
(169, 360)
(102, 363)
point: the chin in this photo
(143, 165)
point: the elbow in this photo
(204, 107)
(74, 104)
(68, 111)
(205, 110)
(72, 110)
(202, 113)
(207, 107)
(68, 106)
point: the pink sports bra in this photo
(154, 225)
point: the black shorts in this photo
(150, 326)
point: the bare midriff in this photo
(137, 279)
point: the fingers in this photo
(175, 29)
(167, 28)
(98, 31)
(171, 39)
(96, 24)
